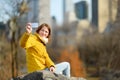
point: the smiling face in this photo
(44, 32)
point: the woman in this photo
(36, 55)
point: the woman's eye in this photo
(44, 31)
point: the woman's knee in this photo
(67, 63)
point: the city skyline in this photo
(56, 9)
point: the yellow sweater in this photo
(36, 55)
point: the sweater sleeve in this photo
(48, 61)
(25, 40)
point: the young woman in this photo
(36, 54)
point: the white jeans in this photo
(64, 68)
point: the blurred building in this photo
(33, 11)
(44, 12)
(83, 10)
(68, 11)
(85, 16)
(106, 13)
(98, 12)
(39, 11)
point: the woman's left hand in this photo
(52, 69)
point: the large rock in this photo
(45, 75)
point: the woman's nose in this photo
(44, 32)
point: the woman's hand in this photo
(52, 69)
(28, 28)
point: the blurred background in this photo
(84, 33)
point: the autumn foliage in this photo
(72, 55)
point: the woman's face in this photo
(44, 32)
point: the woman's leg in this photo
(63, 67)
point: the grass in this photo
(93, 78)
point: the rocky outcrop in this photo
(45, 75)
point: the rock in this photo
(45, 75)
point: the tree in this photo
(102, 50)
(71, 55)
(13, 9)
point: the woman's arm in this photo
(48, 61)
(24, 42)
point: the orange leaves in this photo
(72, 56)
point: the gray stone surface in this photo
(45, 75)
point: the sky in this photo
(56, 7)
(2, 11)
(6, 10)
(56, 10)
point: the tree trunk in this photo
(118, 13)
(14, 56)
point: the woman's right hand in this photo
(52, 69)
(28, 28)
